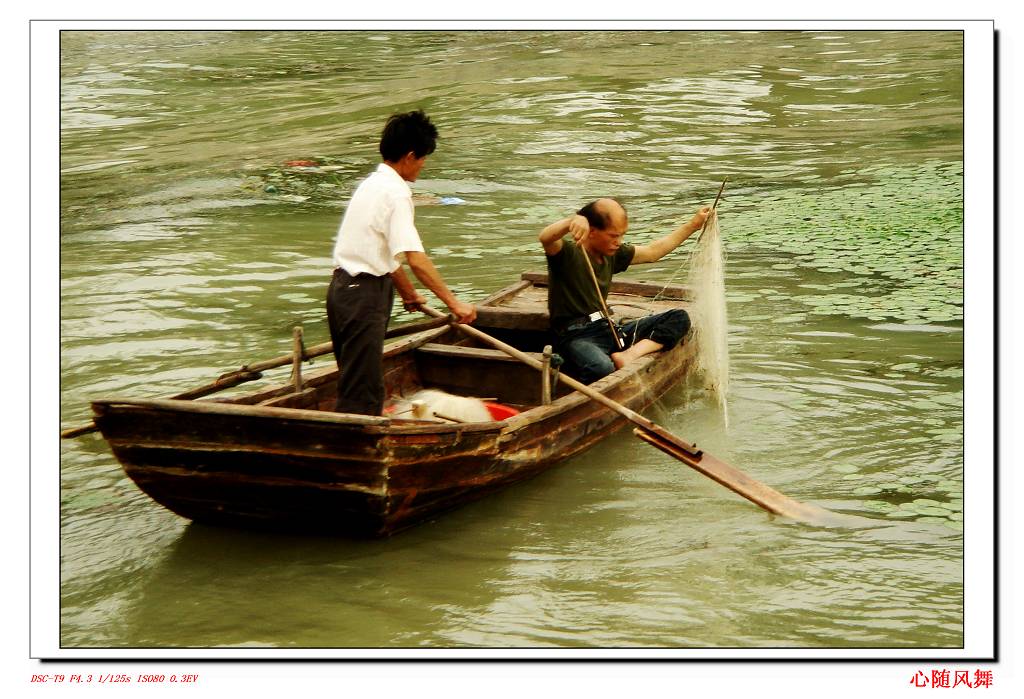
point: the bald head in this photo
(605, 214)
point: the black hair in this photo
(410, 131)
(598, 219)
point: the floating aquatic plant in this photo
(899, 230)
(900, 502)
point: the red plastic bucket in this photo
(499, 411)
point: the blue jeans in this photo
(588, 349)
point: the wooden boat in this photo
(281, 459)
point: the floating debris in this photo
(323, 181)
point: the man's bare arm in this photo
(427, 273)
(652, 252)
(551, 237)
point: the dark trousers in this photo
(358, 310)
(588, 349)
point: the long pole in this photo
(600, 297)
(713, 206)
(740, 483)
(252, 372)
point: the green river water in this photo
(188, 248)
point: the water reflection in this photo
(224, 588)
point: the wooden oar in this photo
(719, 471)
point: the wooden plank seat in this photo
(460, 352)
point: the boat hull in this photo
(357, 480)
(296, 466)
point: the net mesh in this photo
(708, 312)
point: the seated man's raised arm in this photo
(551, 236)
(654, 251)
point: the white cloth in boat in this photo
(378, 226)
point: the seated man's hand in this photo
(579, 227)
(700, 217)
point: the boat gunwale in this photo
(399, 426)
(369, 423)
(385, 425)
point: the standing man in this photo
(376, 232)
(582, 334)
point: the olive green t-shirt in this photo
(571, 292)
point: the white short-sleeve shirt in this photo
(377, 226)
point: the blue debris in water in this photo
(451, 200)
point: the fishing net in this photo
(707, 314)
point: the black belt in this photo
(581, 322)
(361, 275)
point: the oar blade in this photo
(717, 470)
(752, 489)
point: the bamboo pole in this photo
(225, 381)
(600, 298)
(713, 207)
(251, 372)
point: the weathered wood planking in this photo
(279, 459)
(632, 287)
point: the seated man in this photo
(583, 335)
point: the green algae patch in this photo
(900, 514)
(903, 498)
(899, 229)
